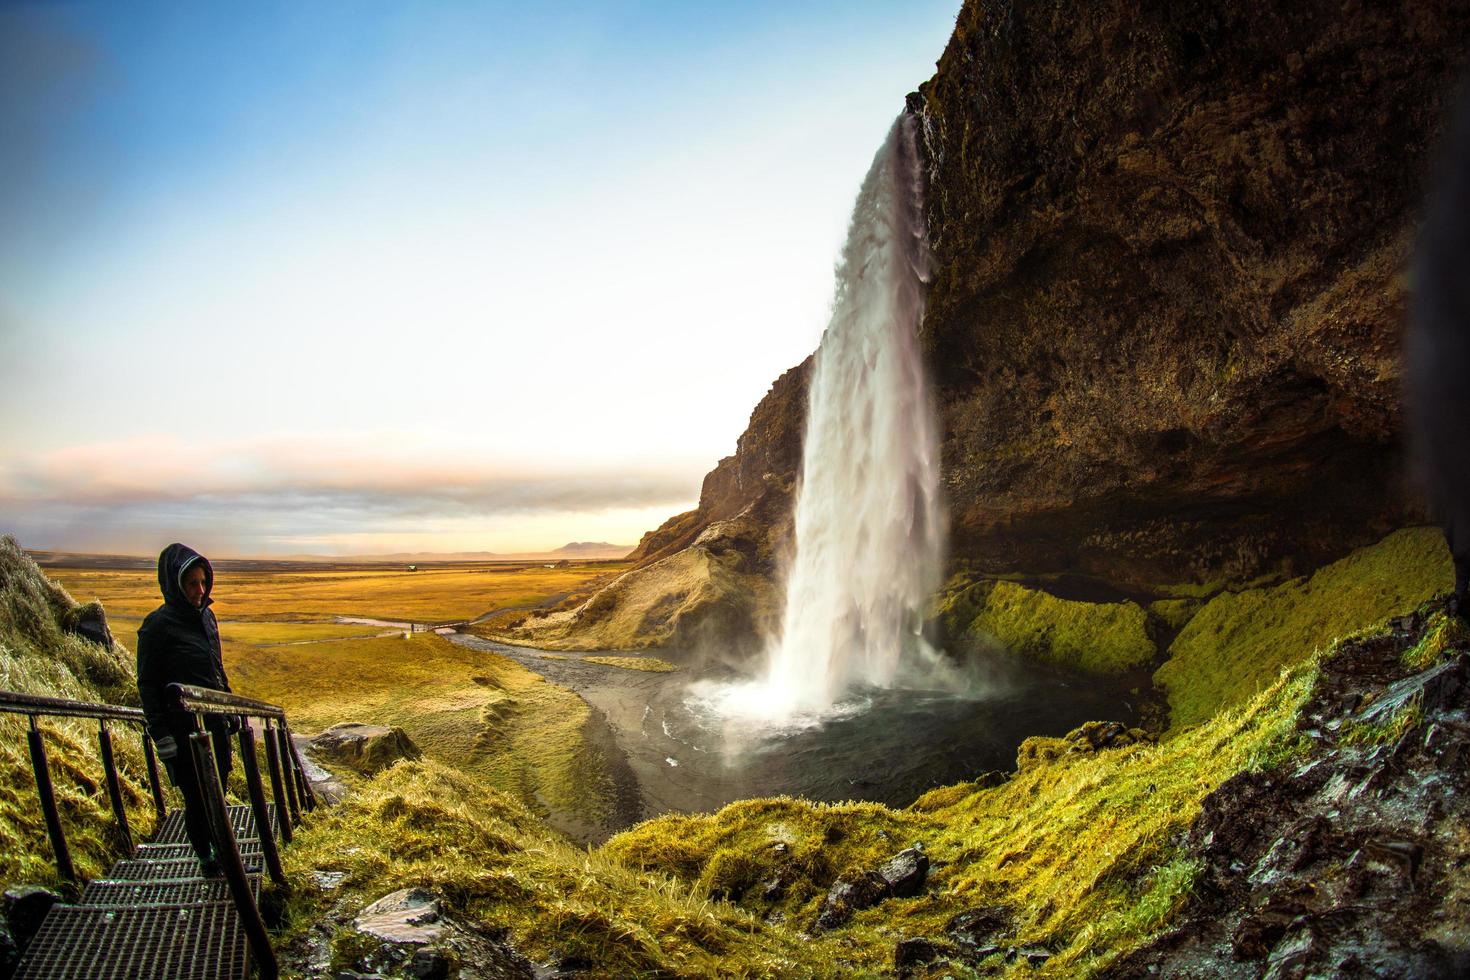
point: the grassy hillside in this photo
(38, 656)
(1078, 852)
(479, 713)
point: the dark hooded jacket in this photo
(178, 643)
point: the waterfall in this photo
(870, 521)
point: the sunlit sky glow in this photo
(365, 277)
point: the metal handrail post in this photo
(308, 795)
(253, 786)
(227, 853)
(114, 788)
(42, 768)
(278, 788)
(286, 758)
(155, 785)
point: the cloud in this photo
(260, 495)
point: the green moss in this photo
(1239, 642)
(1174, 613)
(800, 844)
(1103, 638)
(423, 824)
(1442, 634)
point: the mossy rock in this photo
(1239, 642)
(1097, 637)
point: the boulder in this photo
(405, 918)
(900, 876)
(364, 748)
(905, 872)
(850, 894)
(914, 952)
(24, 907)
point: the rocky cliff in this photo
(1169, 245)
(1164, 324)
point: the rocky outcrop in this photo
(901, 876)
(364, 748)
(407, 934)
(715, 592)
(1348, 859)
(770, 445)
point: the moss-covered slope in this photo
(39, 656)
(1239, 641)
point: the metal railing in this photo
(35, 707)
(290, 789)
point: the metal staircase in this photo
(155, 915)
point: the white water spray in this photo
(870, 521)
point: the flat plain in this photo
(478, 712)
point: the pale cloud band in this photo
(295, 494)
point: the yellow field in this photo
(428, 596)
(480, 713)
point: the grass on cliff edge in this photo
(1239, 642)
(422, 824)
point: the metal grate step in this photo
(171, 852)
(164, 942)
(196, 891)
(242, 818)
(172, 869)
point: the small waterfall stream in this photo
(870, 519)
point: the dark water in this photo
(888, 746)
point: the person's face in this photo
(194, 585)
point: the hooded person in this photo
(179, 644)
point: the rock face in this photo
(1166, 311)
(901, 876)
(771, 444)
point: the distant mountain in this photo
(593, 549)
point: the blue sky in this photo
(360, 277)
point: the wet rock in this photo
(913, 952)
(850, 894)
(905, 872)
(324, 783)
(24, 907)
(1259, 933)
(328, 881)
(405, 916)
(1345, 864)
(428, 964)
(365, 748)
(1033, 955)
(980, 928)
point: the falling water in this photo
(870, 521)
